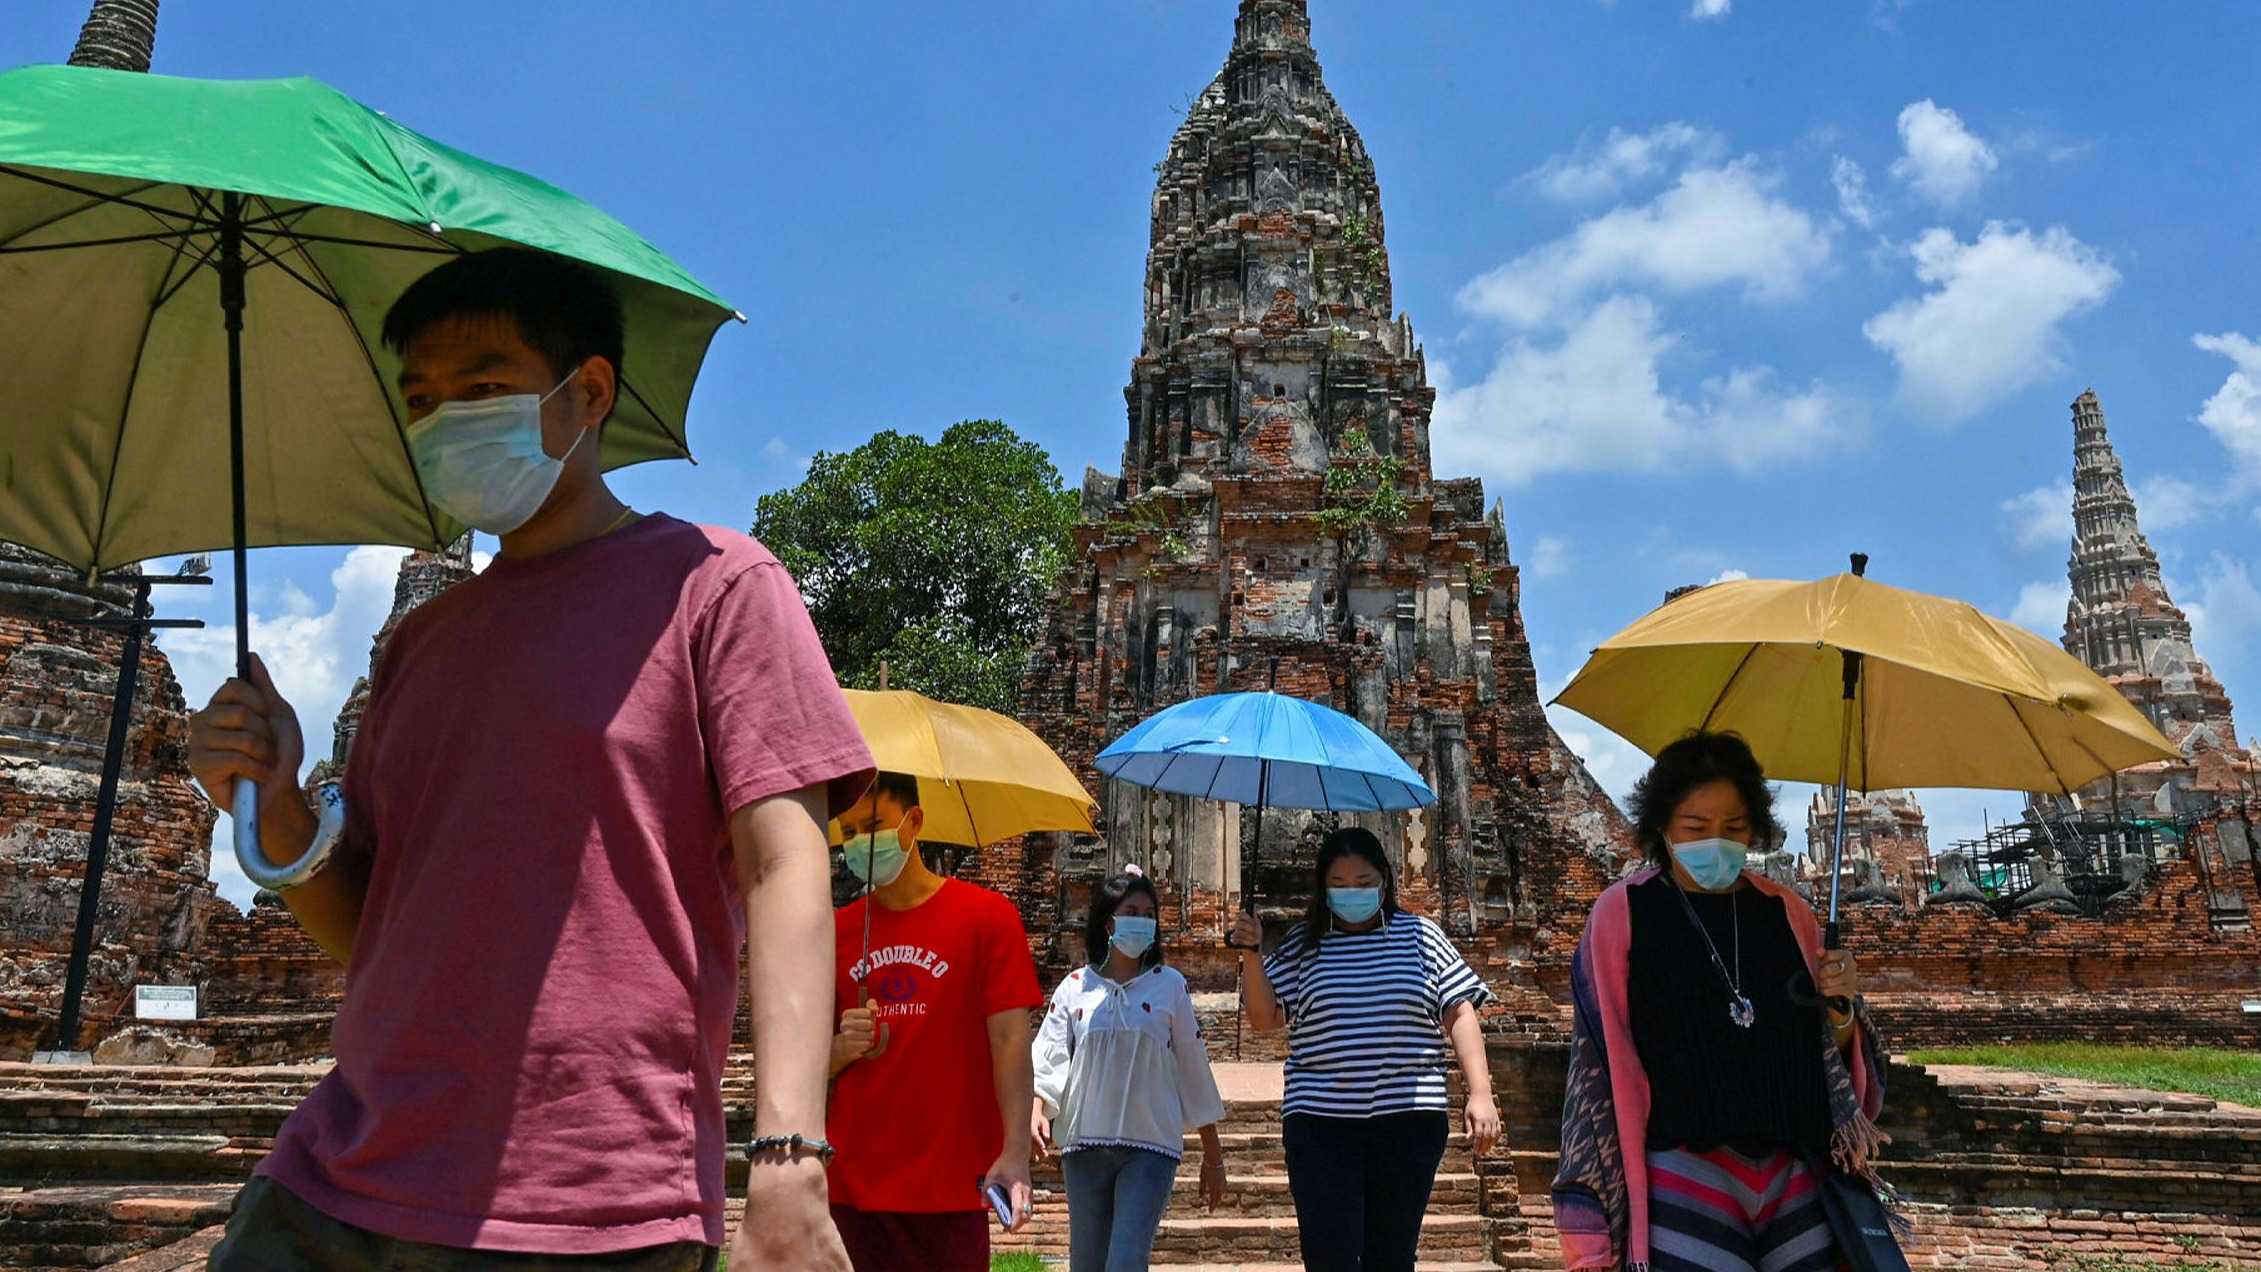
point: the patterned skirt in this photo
(1725, 1211)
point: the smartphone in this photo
(1000, 1203)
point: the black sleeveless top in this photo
(1711, 1081)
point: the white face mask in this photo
(482, 462)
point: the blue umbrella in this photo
(1269, 750)
(1266, 749)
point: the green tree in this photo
(937, 557)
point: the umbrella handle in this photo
(244, 812)
(329, 828)
(1833, 938)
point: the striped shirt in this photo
(1366, 1016)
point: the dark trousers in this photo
(273, 1229)
(885, 1241)
(1361, 1185)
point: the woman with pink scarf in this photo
(1720, 1058)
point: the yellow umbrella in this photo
(982, 777)
(1857, 683)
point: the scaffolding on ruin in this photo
(2098, 858)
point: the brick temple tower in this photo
(2122, 623)
(1276, 516)
(57, 680)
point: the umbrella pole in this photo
(1832, 936)
(1248, 885)
(1247, 876)
(245, 808)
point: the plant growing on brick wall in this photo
(1479, 579)
(1360, 490)
(1358, 496)
(1362, 251)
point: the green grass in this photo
(2224, 1075)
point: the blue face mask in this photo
(876, 859)
(483, 463)
(1712, 863)
(1354, 905)
(1134, 934)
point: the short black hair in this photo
(1107, 899)
(1700, 759)
(1350, 841)
(567, 311)
(900, 787)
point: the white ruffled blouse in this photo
(1124, 1065)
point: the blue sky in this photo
(1739, 287)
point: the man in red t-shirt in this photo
(585, 778)
(934, 1078)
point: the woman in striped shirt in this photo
(1370, 997)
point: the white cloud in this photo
(1989, 326)
(1944, 161)
(2168, 503)
(1610, 759)
(314, 654)
(2233, 413)
(1595, 401)
(1703, 9)
(2225, 617)
(1622, 159)
(1852, 191)
(1727, 576)
(2041, 517)
(2041, 607)
(1550, 557)
(1715, 227)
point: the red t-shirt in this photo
(542, 986)
(917, 1125)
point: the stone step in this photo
(1274, 1240)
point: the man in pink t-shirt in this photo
(585, 777)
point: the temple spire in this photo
(2121, 621)
(1272, 24)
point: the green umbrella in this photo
(193, 274)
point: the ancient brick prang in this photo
(1276, 523)
(57, 683)
(2122, 623)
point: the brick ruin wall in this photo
(159, 921)
(56, 681)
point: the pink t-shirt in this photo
(543, 982)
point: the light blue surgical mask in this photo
(1134, 934)
(1354, 905)
(1712, 863)
(482, 462)
(876, 858)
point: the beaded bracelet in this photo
(790, 1145)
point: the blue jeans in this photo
(1115, 1202)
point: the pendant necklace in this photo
(1739, 1009)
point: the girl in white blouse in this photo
(1122, 1074)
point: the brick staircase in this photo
(2002, 1169)
(1254, 1230)
(112, 1162)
